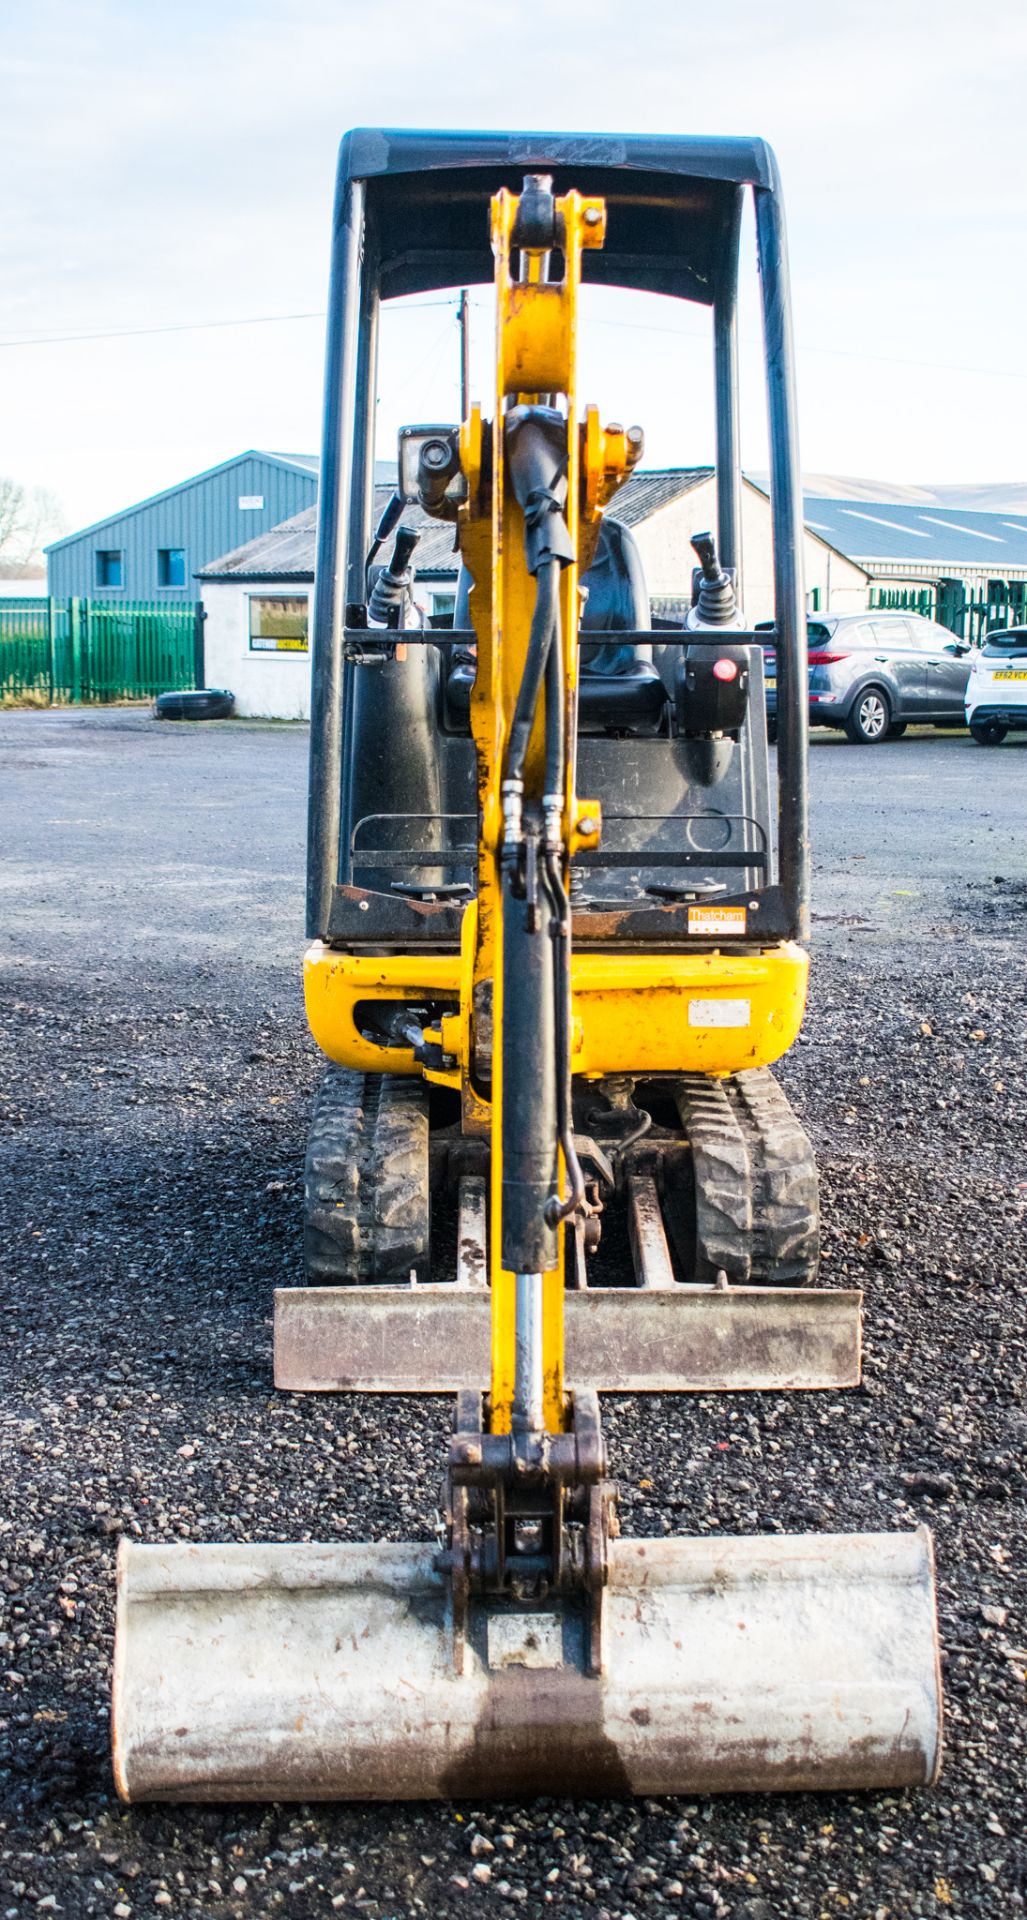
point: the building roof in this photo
(645, 493)
(926, 535)
(286, 552)
(312, 461)
(308, 462)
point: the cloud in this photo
(176, 163)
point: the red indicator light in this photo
(725, 670)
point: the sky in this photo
(172, 168)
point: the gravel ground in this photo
(154, 1083)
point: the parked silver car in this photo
(875, 673)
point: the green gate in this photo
(96, 651)
(1003, 603)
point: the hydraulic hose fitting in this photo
(513, 810)
(512, 792)
(552, 822)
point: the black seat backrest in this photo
(617, 598)
(620, 689)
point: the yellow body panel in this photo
(632, 1012)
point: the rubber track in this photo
(757, 1215)
(786, 1200)
(366, 1201)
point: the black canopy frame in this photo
(411, 215)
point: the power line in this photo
(417, 306)
(134, 333)
(835, 353)
(191, 326)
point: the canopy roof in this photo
(671, 203)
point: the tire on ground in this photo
(869, 717)
(195, 703)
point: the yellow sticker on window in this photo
(716, 919)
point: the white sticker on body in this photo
(719, 1013)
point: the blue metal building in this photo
(153, 551)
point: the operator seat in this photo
(619, 688)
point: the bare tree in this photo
(29, 517)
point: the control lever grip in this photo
(385, 602)
(406, 540)
(705, 550)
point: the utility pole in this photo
(465, 355)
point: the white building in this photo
(257, 603)
(257, 600)
(664, 510)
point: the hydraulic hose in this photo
(556, 1209)
(552, 789)
(540, 638)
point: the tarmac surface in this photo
(155, 1080)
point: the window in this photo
(109, 570)
(443, 607)
(891, 633)
(278, 625)
(928, 635)
(171, 566)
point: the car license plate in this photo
(1010, 673)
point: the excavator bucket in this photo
(328, 1672)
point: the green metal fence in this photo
(969, 615)
(94, 651)
(923, 600)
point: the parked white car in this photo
(996, 692)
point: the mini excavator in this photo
(557, 927)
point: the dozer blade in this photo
(327, 1672)
(657, 1336)
(619, 1339)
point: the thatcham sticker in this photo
(716, 919)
